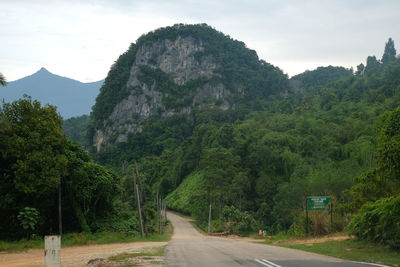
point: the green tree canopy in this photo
(389, 54)
(35, 157)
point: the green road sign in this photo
(318, 203)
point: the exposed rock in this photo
(175, 70)
(176, 58)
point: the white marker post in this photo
(52, 251)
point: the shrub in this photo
(28, 218)
(379, 222)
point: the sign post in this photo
(307, 216)
(318, 203)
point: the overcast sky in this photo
(82, 39)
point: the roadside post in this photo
(52, 251)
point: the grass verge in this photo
(21, 245)
(350, 249)
(80, 239)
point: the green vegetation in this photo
(28, 219)
(378, 222)
(22, 244)
(322, 76)
(255, 163)
(264, 157)
(379, 188)
(36, 157)
(76, 129)
(314, 142)
(352, 250)
(38, 162)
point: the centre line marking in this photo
(271, 263)
(267, 263)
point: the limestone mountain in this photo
(176, 70)
(72, 97)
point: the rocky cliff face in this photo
(172, 71)
(176, 58)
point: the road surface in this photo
(189, 248)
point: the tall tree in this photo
(389, 54)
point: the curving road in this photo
(189, 248)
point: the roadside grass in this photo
(349, 249)
(80, 239)
(21, 245)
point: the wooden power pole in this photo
(137, 195)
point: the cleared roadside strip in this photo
(267, 263)
(369, 263)
(271, 264)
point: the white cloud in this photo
(81, 39)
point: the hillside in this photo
(72, 98)
(174, 71)
(209, 123)
(320, 141)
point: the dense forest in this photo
(327, 132)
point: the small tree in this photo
(28, 219)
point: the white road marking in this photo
(267, 263)
(271, 263)
(263, 263)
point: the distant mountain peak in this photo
(72, 97)
(43, 70)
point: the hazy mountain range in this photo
(71, 97)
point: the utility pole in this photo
(142, 198)
(59, 210)
(164, 214)
(159, 213)
(137, 194)
(209, 219)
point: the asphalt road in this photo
(189, 248)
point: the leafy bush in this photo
(28, 218)
(379, 222)
(238, 220)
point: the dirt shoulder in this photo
(296, 241)
(74, 256)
